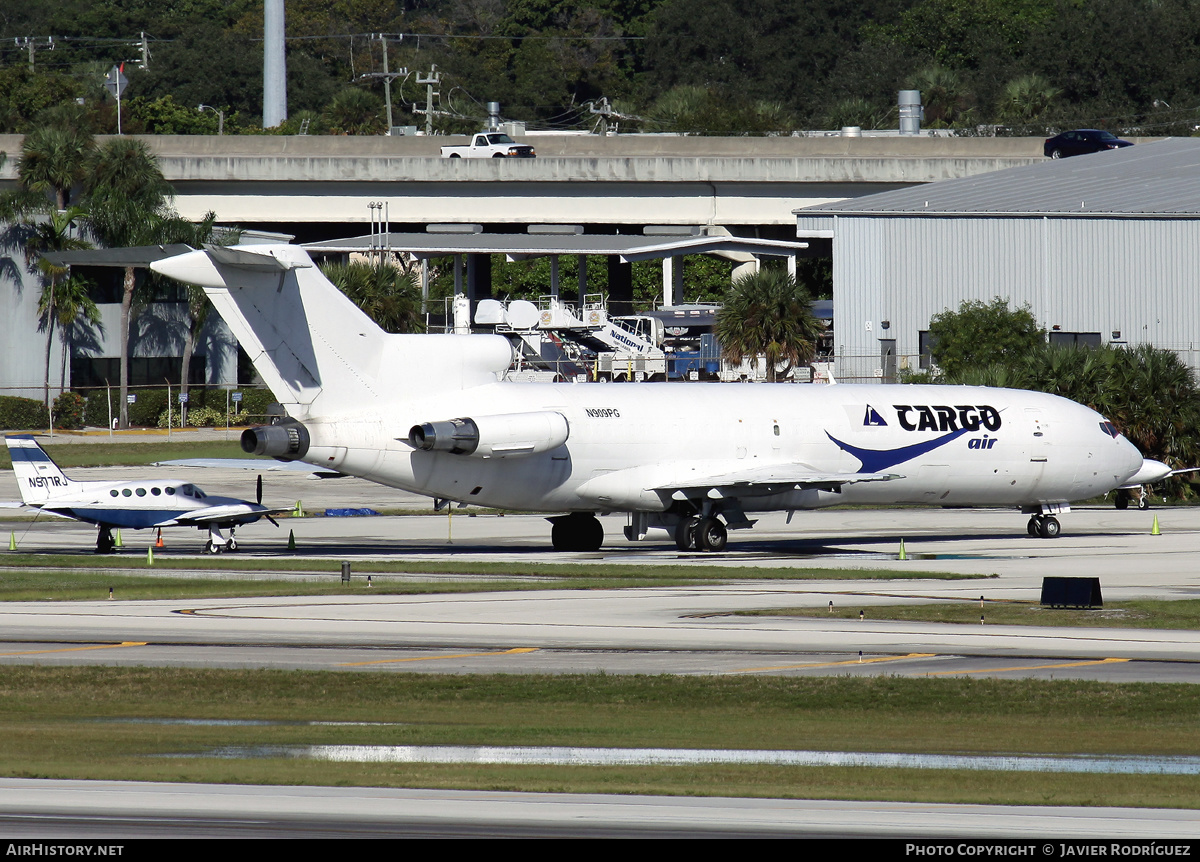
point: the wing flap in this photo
(765, 481)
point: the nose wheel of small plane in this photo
(104, 541)
(1045, 526)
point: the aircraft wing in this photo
(715, 480)
(766, 480)
(245, 513)
(263, 464)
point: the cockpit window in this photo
(1110, 429)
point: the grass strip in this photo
(135, 454)
(100, 723)
(1139, 614)
(28, 577)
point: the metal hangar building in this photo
(1104, 248)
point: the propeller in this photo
(258, 498)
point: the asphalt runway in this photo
(680, 630)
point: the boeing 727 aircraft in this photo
(131, 505)
(431, 414)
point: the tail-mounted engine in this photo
(509, 435)
(286, 441)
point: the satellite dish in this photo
(489, 312)
(523, 314)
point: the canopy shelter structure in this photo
(475, 248)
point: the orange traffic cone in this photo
(159, 543)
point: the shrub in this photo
(22, 414)
(68, 410)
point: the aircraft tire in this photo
(1122, 500)
(685, 534)
(711, 535)
(104, 542)
(1050, 528)
(1144, 501)
(1035, 526)
(578, 532)
(232, 544)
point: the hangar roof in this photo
(1157, 180)
(521, 246)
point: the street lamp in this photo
(220, 116)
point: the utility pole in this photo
(143, 46)
(32, 43)
(388, 76)
(429, 83)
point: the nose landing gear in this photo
(1045, 526)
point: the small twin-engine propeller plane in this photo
(432, 414)
(130, 505)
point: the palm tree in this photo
(1026, 99)
(73, 306)
(129, 205)
(355, 112)
(53, 161)
(57, 232)
(387, 295)
(768, 314)
(198, 304)
(945, 98)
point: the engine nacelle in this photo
(287, 442)
(508, 435)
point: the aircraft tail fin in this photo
(315, 349)
(38, 477)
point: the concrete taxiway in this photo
(678, 630)
(115, 810)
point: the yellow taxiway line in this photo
(517, 651)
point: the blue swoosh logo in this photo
(876, 460)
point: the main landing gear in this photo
(1045, 526)
(104, 540)
(578, 531)
(217, 543)
(1124, 496)
(701, 534)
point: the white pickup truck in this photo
(490, 145)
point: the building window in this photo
(1058, 338)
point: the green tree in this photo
(64, 299)
(1026, 99)
(128, 202)
(768, 314)
(981, 333)
(354, 112)
(385, 293)
(53, 161)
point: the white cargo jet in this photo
(130, 505)
(432, 414)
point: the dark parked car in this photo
(1082, 141)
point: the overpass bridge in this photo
(319, 187)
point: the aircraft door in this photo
(1037, 433)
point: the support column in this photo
(479, 278)
(672, 275)
(554, 276)
(582, 280)
(620, 286)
